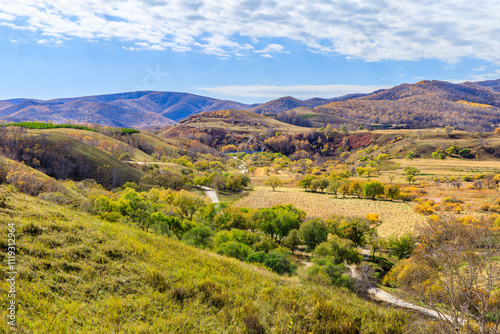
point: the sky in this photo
(249, 51)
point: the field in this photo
(397, 217)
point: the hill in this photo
(490, 84)
(288, 103)
(135, 109)
(219, 128)
(309, 117)
(78, 274)
(424, 104)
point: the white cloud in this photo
(298, 91)
(372, 30)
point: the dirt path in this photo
(211, 193)
(384, 296)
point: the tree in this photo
(410, 155)
(411, 171)
(454, 149)
(356, 188)
(465, 153)
(279, 220)
(401, 247)
(411, 178)
(454, 270)
(497, 131)
(343, 128)
(339, 250)
(373, 189)
(313, 232)
(392, 192)
(449, 130)
(273, 182)
(306, 182)
(356, 229)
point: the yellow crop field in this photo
(397, 217)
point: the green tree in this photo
(313, 232)
(402, 247)
(356, 229)
(411, 171)
(465, 153)
(372, 189)
(273, 182)
(338, 250)
(410, 155)
(306, 182)
(411, 178)
(279, 220)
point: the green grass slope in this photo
(77, 274)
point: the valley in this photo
(242, 222)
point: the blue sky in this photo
(249, 51)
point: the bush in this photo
(485, 207)
(55, 197)
(280, 263)
(234, 249)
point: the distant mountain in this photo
(491, 84)
(467, 106)
(470, 105)
(134, 109)
(288, 103)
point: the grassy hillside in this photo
(77, 274)
(102, 163)
(32, 181)
(137, 155)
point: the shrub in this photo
(234, 249)
(55, 197)
(485, 207)
(280, 263)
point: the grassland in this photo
(77, 274)
(397, 217)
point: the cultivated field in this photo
(397, 217)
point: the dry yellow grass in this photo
(397, 218)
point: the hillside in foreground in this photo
(78, 274)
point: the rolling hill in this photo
(134, 110)
(288, 103)
(467, 106)
(79, 274)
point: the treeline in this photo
(41, 125)
(293, 118)
(325, 143)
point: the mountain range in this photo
(426, 103)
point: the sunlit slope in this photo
(78, 274)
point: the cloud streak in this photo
(371, 30)
(298, 91)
